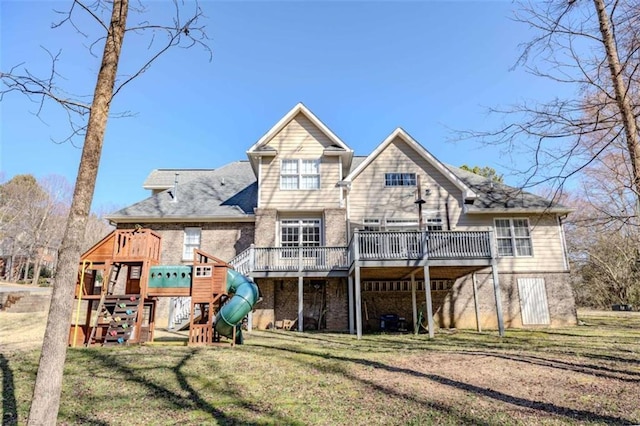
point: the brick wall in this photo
(263, 314)
(456, 308)
(335, 225)
(265, 229)
(325, 300)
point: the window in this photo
(433, 224)
(300, 174)
(191, 241)
(299, 233)
(402, 224)
(400, 179)
(371, 225)
(513, 237)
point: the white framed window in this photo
(299, 174)
(399, 179)
(300, 233)
(191, 241)
(513, 237)
(371, 225)
(433, 224)
(401, 224)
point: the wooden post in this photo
(358, 304)
(475, 301)
(358, 290)
(496, 283)
(350, 291)
(414, 304)
(427, 293)
(300, 303)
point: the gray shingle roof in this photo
(164, 178)
(493, 197)
(232, 192)
(228, 192)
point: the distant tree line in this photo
(33, 214)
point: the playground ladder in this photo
(107, 289)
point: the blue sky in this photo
(364, 68)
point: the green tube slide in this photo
(244, 295)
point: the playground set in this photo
(120, 280)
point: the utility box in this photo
(389, 322)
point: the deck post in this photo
(358, 292)
(474, 279)
(496, 283)
(252, 257)
(358, 304)
(427, 292)
(300, 291)
(350, 292)
(414, 304)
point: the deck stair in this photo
(121, 312)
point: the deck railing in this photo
(391, 245)
(418, 245)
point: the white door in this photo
(533, 301)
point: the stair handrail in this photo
(181, 310)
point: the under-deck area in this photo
(408, 258)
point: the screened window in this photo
(191, 241)
(299, 174)
(513, 237)
(400, 179)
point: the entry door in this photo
(533, 301)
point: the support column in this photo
(300, 303)
(358, 306)
(414, 304)
(250, 321)
(427, 293)
(475, 301)
(496, 283)
(350, 292)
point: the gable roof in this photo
(261, 148)
(224, 194)
(467, 192)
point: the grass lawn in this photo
(588, 374)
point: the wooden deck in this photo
(370, 249)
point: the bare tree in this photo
(46, 397)
(594, 47)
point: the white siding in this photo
(299, 139)
(548, 254)
(370, 198)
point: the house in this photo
(342, 242)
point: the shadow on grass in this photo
(9, 405)
(193, 401)
(548, 408)
(590, 369)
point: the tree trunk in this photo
(46, 394)
(622, 97)
(37, 267)
(25, 271)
